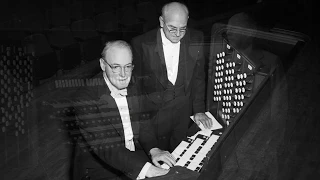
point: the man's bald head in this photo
(174, 20)
(174, 9)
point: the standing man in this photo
(108, 120)
(169, 62)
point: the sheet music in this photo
(215, 123)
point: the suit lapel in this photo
(185, 56)
(157, 62)
(134, 107)
(112, 108)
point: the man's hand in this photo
(155, 171)
(158, 155)
(204, 119)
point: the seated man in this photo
(108, 116)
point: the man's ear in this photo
(102, 64)
(161, 20)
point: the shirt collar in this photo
(166, 41)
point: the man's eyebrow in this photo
(115, 64)
(172, 26)
(176, 27)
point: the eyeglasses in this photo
(117, 68)
(174, 30)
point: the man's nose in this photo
(122, 72)
(178, 33)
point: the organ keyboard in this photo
(192, 152)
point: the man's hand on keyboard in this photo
(204, 119)
(154, 171)
(158, 155)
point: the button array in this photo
(16, 89)
(232, 82)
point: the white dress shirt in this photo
(122, 104)
(171, 55)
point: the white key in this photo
(186, 156)
(208, 145)
(195, 162)
(179, 149)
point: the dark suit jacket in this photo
(150, 69)
(101, 147)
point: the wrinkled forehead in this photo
(119, 55)
(176, 20)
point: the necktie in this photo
(118, 93)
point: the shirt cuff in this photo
(144, 171)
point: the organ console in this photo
(239, 84)
(233, 84)
(238, 87)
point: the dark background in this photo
(45, 150)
